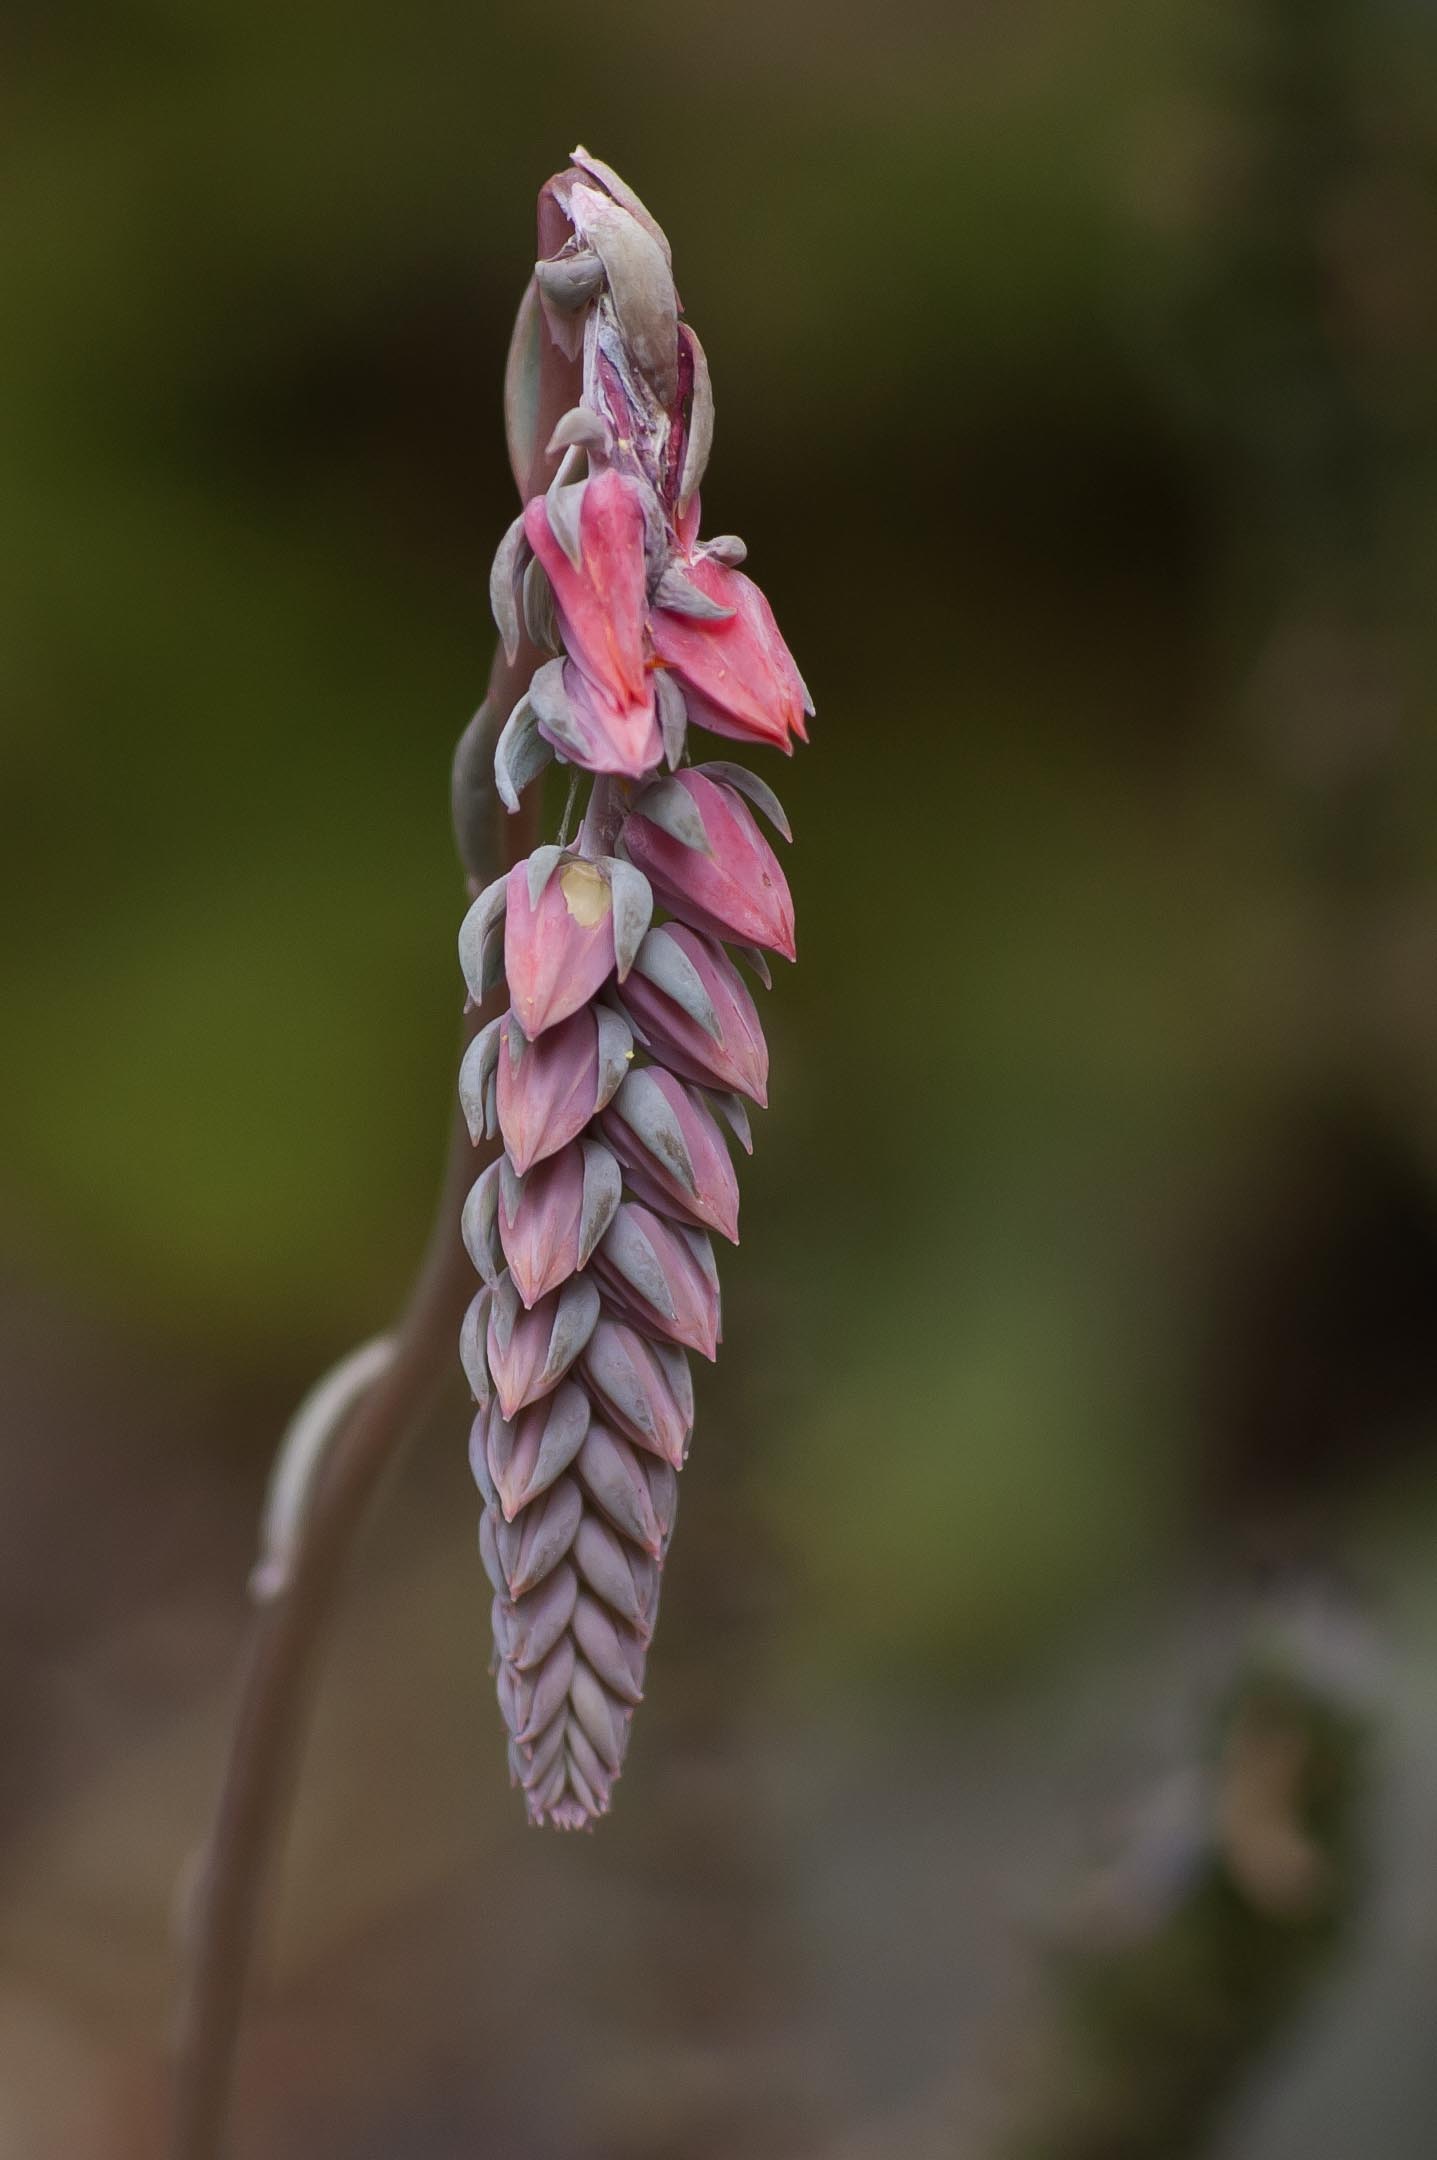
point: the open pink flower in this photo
(737, 674)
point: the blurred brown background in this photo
(1074, 368)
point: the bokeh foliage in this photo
(1071, 368)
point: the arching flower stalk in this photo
(632, 1037)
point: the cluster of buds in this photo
(631, 1038)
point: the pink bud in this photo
(548, 1090)
(713, 1038)
(623, 1577)
(527, 1631)
(737, 673)
(526, 1550)
(636, 1491)
(557, 952)
(645, 1392)
(600, 601)
(530, 1352)
(550, 1220)
(737, 890)
(601, 733)
(526, 1457)
(672, 1151)
(541, 1238)
(662, 1276)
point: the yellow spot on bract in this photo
(586, 893)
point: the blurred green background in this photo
(1074, 372)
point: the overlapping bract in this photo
(631, 1036)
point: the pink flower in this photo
(662, 1276)
(550, 1221)
(736, 889)
(645, 1392)
(541, 1237)
(737, 674)
(592, 1230)
(600, 606)
(528, 1456)
(595, 730)
(530, 1351)
(558, 953)
(689, 1004)
(636, 1491)
(548, 1090)
(673, 1153)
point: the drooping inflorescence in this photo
(631, 1036)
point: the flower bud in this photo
(535, 1697)
(590, 728)
(600, 598)
(530, 1352)
(672, 1152)
(625, 1578)
(558, 941)
(647, 1395)
(525, 1456)
(736, 673)
(614, 1652)
(692, 1008)
(549, 1222)
(548, 1090)
(637, 1492)
(662, 1276)
(530, 1547)
(528, 1630)
(726, 879)
(640, 281)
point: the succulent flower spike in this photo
(709, 864)
(592, 1229)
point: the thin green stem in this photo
(569, 801)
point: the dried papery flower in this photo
(623, 1036)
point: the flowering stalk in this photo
(631, 1037)
(342, 1446)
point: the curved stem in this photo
(226, 1908)
(223, 1922)
(286, 1633)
